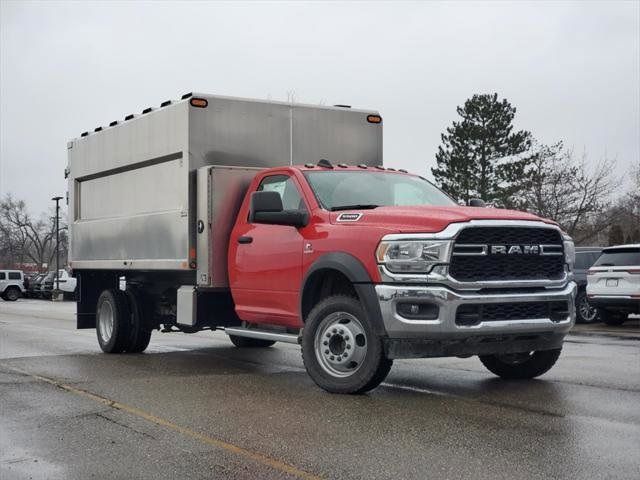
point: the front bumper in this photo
(443, 330)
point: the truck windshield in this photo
(337, 190)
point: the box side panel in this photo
(129, 194)
(340, 136)
(239, 132)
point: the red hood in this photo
(430, 219)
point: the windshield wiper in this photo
(354, 207)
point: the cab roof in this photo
(328, 166)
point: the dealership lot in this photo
(193, 406)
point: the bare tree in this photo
(565, 189)
(25, 239)
(626, 211)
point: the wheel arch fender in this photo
(352, 269)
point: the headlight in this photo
(569, 251)
(412, 256)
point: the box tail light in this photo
(199, 102)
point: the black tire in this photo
(613, 319)
(521, 366)
(139, 329)
(320, 340)
(116, 338)
(585, 313)
(246, 342)
(11, 294)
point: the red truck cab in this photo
(365, 264)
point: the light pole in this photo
(57, 200)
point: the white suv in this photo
(613, 283)
(11, 284)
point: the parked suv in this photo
(585, 258)
(614, 283)
(11, 284)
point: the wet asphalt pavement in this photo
(195, 407)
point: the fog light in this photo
(418, 311)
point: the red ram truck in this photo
(358, 263)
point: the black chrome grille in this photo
(509, 235)
(495, 267)
(473, 314)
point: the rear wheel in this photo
(113, 321)
(11, 294)
(139, 330)
(340, 349)
(519, 366)
(612, 318)
(247, 342)
(585, 313)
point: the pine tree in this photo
(472, 160)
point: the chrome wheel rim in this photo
(105, 322)
(587, 312)
(340, 344)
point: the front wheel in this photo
(519, 366)
(585, 313)
(340, 350)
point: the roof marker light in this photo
(164, 104)
(147, 110)
(402, 170)
(199, 102)
(324, 163)
(114, 123)
(129, 117)
(339, 105)
(309, 165)
(343, 165)
(374, 119)
(186, 95)
(362, 165)
(379, 167)
(97, 129)
(84, 134)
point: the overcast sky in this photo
(570, 68)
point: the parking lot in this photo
(193, 406)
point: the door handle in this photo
(244, 239)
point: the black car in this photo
(585, 258)
(33, 289)
(46, 285)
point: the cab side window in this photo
(2, 276)
(14, 276)
(284, 185)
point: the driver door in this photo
(268, 261)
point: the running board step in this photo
(263, 334)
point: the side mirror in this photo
(476, 202)
(266, 207)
